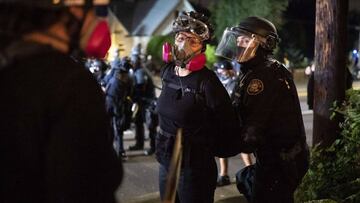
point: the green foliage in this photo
(210, 56)
(335, 171)
(154, 47)
(296, 57)
(228, 13)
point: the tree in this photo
(228, 13)
(330, 59)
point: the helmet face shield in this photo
(237, 45)
(188, 24)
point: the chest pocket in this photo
(197, 92)
(187, 97)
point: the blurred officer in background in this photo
(118, 93)
(54, 143)
(97, 67)
(152, 122)
(143, 95)
(268, 106)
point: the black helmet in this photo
(261, 27)
(241, 43)
(125, 65)
(194, 22)
(55, 3)
(223, 64)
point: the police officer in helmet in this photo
(143, 94)
(118, 92)
(268, 106)
(55, 145)
(226, 74)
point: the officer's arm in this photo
(261, 92)
(224, 123)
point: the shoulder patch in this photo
(255, 87)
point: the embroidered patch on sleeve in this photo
(255, 87)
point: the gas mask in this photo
(183, 57)
(97, 40)
(183, 51)
(94, 39)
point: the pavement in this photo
(140, 184)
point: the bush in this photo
(210, 56)
(334, 171)
(154, 47)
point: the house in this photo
(133, 22)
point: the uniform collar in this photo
(255, 63)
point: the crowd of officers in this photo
(130, 98)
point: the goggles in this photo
(193, 41)
(188, 24)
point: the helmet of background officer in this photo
(224, 69)
(125, 65)
(253, 36)
(136, 61)
(72, 26)
(192, 32)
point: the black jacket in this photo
(54, 145)
(268, 105)
(117, 89)
(199, 104)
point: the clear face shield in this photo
(238, 45)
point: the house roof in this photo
(142, 17)
(124, 11)
(161, 9)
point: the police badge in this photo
(255, 87)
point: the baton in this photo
(174, 169)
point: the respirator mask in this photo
(97, 41)
(185, 53)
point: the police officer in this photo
(226, 74)
(118, 92)
(152, 122)
(267, 103)
(97, 67)
(144, 93)
(192, 98)
(54, 142)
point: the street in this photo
(140, 182)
